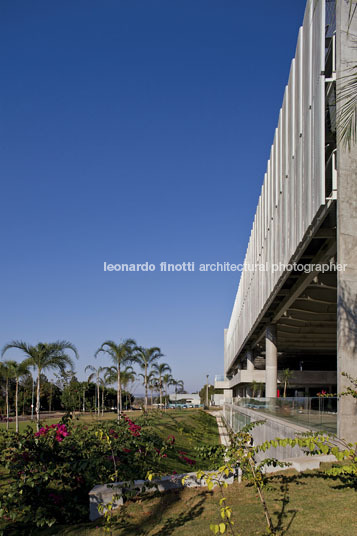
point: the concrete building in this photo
(189, 398)
(303, 316)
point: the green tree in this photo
(127, 376)
(179, 386)
(145, 358)
(203, 391)
(121, 355)
(96, 372)
(50, 396)
(285, 376)
(160, 369)
(44, 356)
(20, 370)
(153, 385)
(167, 381)
(254, 388)
(104, 383)
(72, 393)
(7, 371)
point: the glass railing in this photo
(315, 413)
(219, 378)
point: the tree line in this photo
(58, 357)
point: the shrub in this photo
(52, 471)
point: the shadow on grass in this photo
(341, 481)
(284, 515)
(181, 519)
(167, 502)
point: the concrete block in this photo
(103, 494)
(302, 463)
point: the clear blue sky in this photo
(134, 131)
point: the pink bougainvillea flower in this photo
(61, 431)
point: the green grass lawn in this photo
(190, 428)
(305, 504)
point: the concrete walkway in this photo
(222, 430)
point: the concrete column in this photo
(346, 233)
(228, 395)
(271, 362)
(250, 364)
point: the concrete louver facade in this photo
(285, 316)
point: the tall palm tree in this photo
(145, 358)
(96, 372)
(167, 380)
(7, 372)
(85, 387)
(44, 356)
(153, 383)
(127, 375)
(20, 370)
(121, 354)
(104, 383)
(160, 369)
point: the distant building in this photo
(190, 398)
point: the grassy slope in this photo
(190, 428)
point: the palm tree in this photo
(96, 372)
(44, 356)
(161, 369)
(127, 376)
(85, 386)
(7, 372)
(347, 115)
(104, 383)
(285, 377)
(19, 371)
(121, 354)
(254, 388)
(153, 383)
(346, 119)
(167, 380)
(179, 385)
(146, 357)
